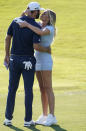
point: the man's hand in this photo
(40, 48)
(6, 61)
(49, 50)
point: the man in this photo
(21, 61)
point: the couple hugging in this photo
(27, 35)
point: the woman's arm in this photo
(35, 29)
(26, 12)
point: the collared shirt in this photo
(23, 38)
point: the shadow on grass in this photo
(54, 127)
(33, 128)
(15, 128)
(57, 128)
(18, 129)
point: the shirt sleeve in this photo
(36, 38)
(10, 30)
(50, 28)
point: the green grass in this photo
(69, 69)
(70, 111)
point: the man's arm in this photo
(41, 48)
(7, 48)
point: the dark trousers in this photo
(17, 67)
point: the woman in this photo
(44, 66)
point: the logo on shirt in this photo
(18, 20)
(28, 65)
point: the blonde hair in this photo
(52, 16)
(52, 21)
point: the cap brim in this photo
(42, 9)
(36, 9)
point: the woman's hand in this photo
(23, 24)
(26, 12)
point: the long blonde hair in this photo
(52, 16)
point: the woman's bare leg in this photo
(47, 82)
(44, 97)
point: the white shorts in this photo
(43, 61)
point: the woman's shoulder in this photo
(50, 27)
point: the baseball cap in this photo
(34, 6)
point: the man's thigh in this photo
(14, 74)
(28, 72)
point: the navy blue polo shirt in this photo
(23, 38)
